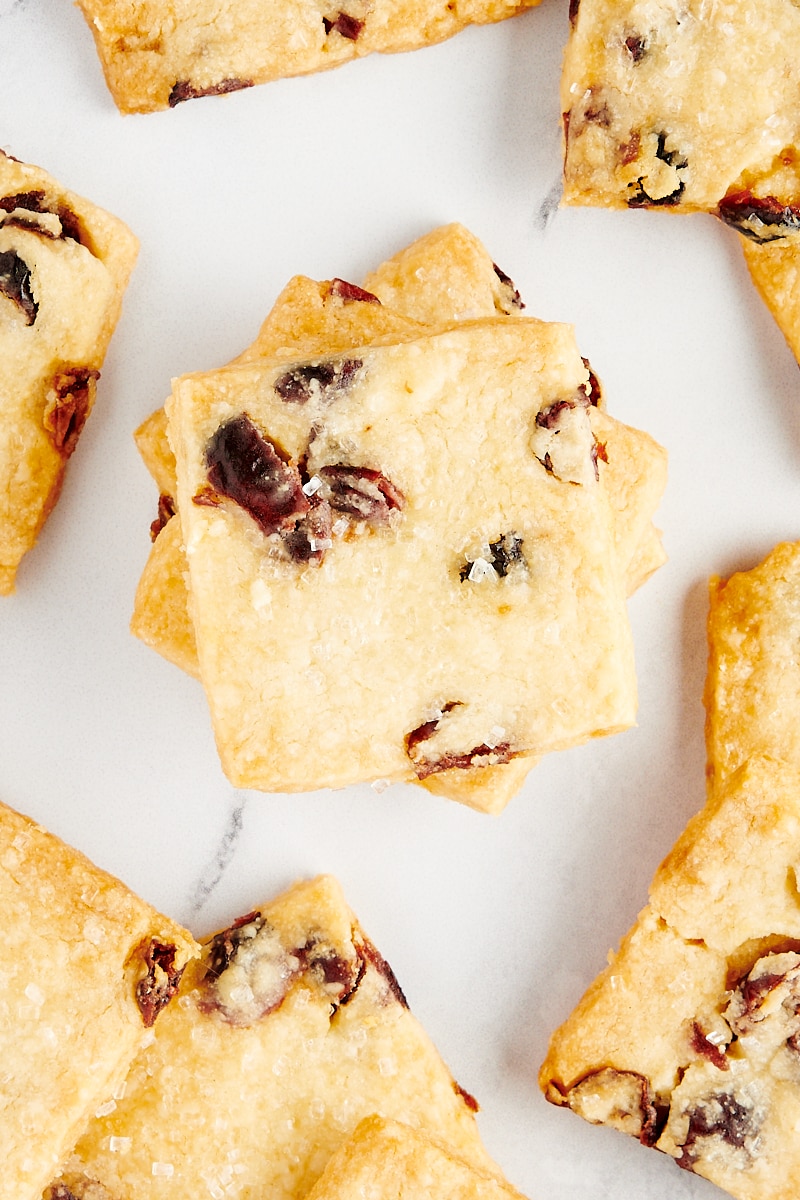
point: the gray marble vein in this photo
(219, 862)
(549, 206)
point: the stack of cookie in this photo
(406, 528)
(690, 1039)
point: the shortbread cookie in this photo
(87, 968)
(366, 525)
(386, 1160)
(64, 265)
(752, 693)
(774, 267)
(679, 105)
(158, 53)
(690, 1039)
(443, 277)
(289, 1030)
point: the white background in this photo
(494, 926)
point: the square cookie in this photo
(684, 106)
(64, 265)
(87, 968)
(386, 1160)
(289, 1030)
(382, 566)
(158, 53)
(690, 1039)
(752, 692)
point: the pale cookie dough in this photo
(430, 559)
(752, 692)
(690, 1039)
(158, 53)
(288, 1032)
(386, 1160)
(64, 265)
(444, 274)
(678, 103)
(87, 968)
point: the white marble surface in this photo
(493, 926)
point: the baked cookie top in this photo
(87, 969)
(685, 105)
(288, 1031)
(64, 265)
(386, 1159)
(690, 1039)
(432, 557)
(158, 53)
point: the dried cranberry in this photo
(372, 957)
(322, 380)
(427, 729)
(351, 292)
(501, 753)
(349, 27)
(640, 197)
(514, 302)
(592, 387)
(719, 1116)
(637, 46)
(166, 511)
(160, 983)
(34, 202)
(760, 218)
(74, 396)
(184, 90)
(467, 1097)
(506, 552)
(360, 492)
(223, 947)
(310, 538)
(701, 1045)
(15, 284)
(253, 471)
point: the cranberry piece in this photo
(760, 218)
(160, 984)
(360, 492)
(74, 397)
(640, 198)
(15, 284)
(166, 511)
(322, 380)
(637, 46)
(722, 1117)
(701, 1045)
(254, 472)
(505, 553)
(514, 300)
(349, 27)
(224, 946)
(351, 292)
(34, 202)
(185, 90)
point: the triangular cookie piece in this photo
(289, 1030)
(690, 1039)
(386, 1160)
(87, 969)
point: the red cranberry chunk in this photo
(160, 984)
(359, 492)
(166, 510)
(351, 292)
(15, 284)
(321, 380)
(512, 300)
(74, 396)
(185, 90)
(762, 219)
(252, 471)
(722, 1118)
(349, 27)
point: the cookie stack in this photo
(405, 531)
